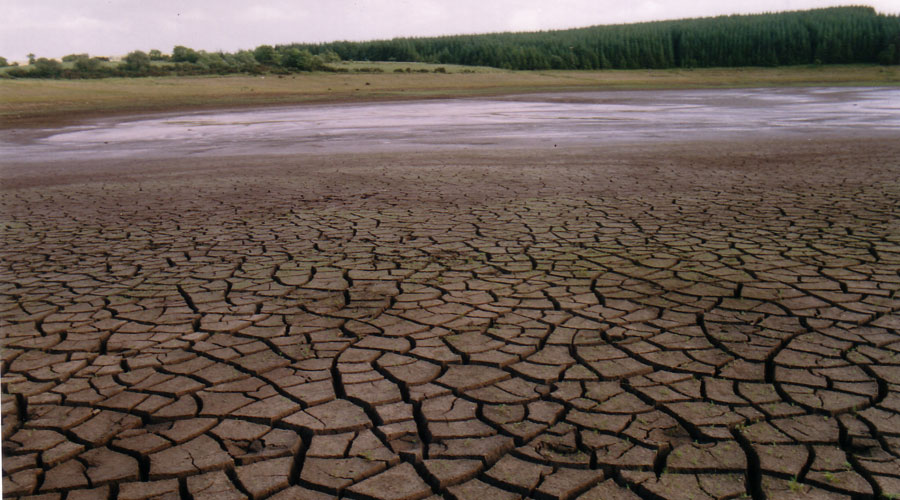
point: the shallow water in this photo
(535, 120)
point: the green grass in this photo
(25, 102)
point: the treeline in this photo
(183, 61)
(840, 35)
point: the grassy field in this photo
(28, 102)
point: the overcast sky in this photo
(54, 28)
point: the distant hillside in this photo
(837, 35)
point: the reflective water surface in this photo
(534, 120)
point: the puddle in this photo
(536, 120)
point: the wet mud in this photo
(535, 120)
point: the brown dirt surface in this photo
(691, 320)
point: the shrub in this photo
(46, 68)
(330, 56)
(137, 62)
(87, 65)
(19, 73)
(265, 54)
(74, 57)
(298, 59)
(184, 54)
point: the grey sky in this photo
(53, 28)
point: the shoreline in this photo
(698, 155)
(30, 104)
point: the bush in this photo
(19, 73)
(46, 68)
(87, 65)
(214, 62)
(136, 62)
(298, 59)
(330, 56)
(74, 57)
(3, 62)
(184, 54)
(265, 54)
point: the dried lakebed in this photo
(634, 319)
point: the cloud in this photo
(83, 24)
(258, 13)
(525, 20)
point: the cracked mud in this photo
(695, 320)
